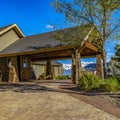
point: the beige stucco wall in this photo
(8, 38)
(56, 70)
(38, 70)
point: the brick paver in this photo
(30, 101)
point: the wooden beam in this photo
(43, 50)
(90, 46)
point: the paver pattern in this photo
(45, 101)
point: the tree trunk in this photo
(99, 66)
(104, 64)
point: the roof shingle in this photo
(35, 42)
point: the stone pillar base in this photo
(13, 70)
(48, 70)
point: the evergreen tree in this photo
(117, 56)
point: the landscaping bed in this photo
(107, 97)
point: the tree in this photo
(114, 65)
(116, 58)
(103, 14)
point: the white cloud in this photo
(68, 66)
(108, 49)
(49, 26)
(110, 54)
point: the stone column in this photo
(99, 66)
(25, 68)
(48, 69)
(79, 65)
(73, 76)
(0, 76)
(13, 70)
(76, 67)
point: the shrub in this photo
(118, 78)
(104, 88)
(54, 77)
(63, 77)
(42, 76)
(112, 84)
(89, 82)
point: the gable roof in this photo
(9, 27)
(41, 41)
(32, 43)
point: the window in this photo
(24, 64)
(9, 63)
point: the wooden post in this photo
(49, 70)
(99, 67)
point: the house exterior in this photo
(39, 68)
(9, 35)
(17, 56)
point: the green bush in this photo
(112, 84)
(42, 76)
(118, 78)
(89, 82)
(104, 88)
(63, 77)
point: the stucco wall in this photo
(38, 70)
(8, 38)
(56, 70)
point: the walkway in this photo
(45, 101)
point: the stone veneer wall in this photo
(13, 70)
(76, 66)
(25, 71)
(4, 70)
(49, 71)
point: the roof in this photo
(4, 27)
(41, 41)
(9, 27)
(32, 43)
(44, 63)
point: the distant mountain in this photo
(89, 66)
(92, 67)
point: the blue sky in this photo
(32, 16)
(36, 16)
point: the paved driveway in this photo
(44, 101)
